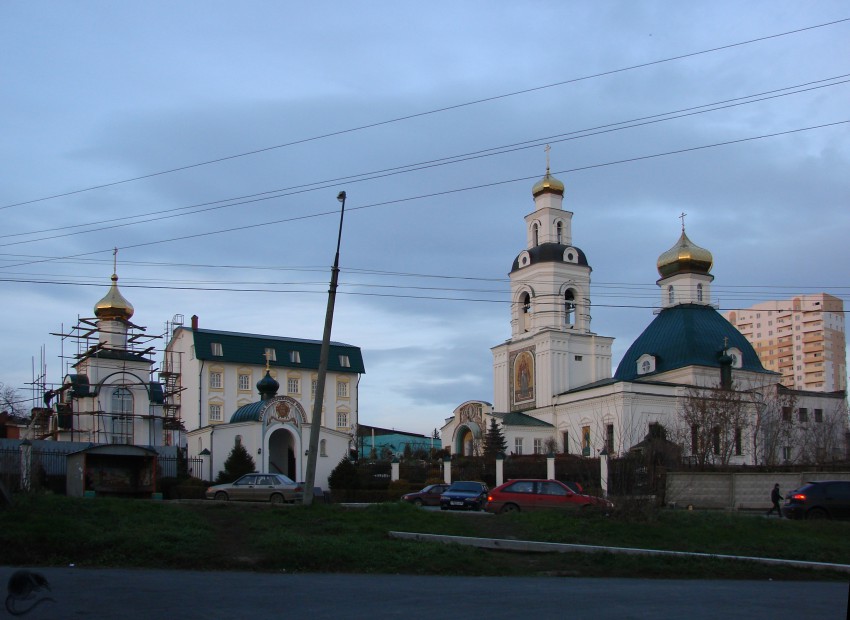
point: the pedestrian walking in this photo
(775, 497)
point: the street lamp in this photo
(316, 420)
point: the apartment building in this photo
(802, 338)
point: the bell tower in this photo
(551, 348)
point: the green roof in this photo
(239, 348)
(686, 335)
(515, 418)
(252, 412)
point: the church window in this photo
(560, 232)
(293, 385)
(739, 443)
(215, 380)
(786, 453)
(342, 389)
(694, 439)
(565, 438)
(313, 388)
(645, 366)
(818, 415)
(295, 357)
(535, 235)
(216, 349)
(244, 382)
(538, 445)
(578, 358)
(270, 354)
(699, 292)
(518, 445)
(671, 297)
(804, 414)
(715, 439)
(609, 438)
(122, 425)
(323, 447)
(238, 440)
(526, 310)
(569, 306)
(344, 361)
(215, 413)
(342, 419)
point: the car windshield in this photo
(466, 486)
(281, 479)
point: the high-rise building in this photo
(801, 338)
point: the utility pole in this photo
(316, 422)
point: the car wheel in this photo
(509, 508)
(817, 513)
(221, 496)
(277, 498)
(417, 502)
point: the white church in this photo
(553, 386)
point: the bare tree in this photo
(823, 437)
(717, 420)
(11, 401)
(772, 426)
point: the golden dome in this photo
(685, 256)
(548, 184)
(113, 305)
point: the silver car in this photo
(274, 488)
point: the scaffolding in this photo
(75, 421)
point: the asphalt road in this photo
(132, 594)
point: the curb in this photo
(545, 547)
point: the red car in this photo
(532, 494)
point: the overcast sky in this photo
(297, 101)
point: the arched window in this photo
(525, 319)
(645, 366)
(671, 296)
(699, 292)
(560, 232)
(535, 236)
(323, 447)
(569, 306)
(122, 415)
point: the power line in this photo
(430, 112)
(441, 193)
(146, 218)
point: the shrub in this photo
(344, 476)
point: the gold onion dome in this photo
(113, 305)
(685, 256)
(548, 184)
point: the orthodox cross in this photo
(114, 260)
(547, 148)
(268, 355)
(682, 217)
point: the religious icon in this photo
(523, 377)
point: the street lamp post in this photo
(316, 421)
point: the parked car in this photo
(274, 488)
(824, 499)
(429, 496)
(464, 495)
(534, 494)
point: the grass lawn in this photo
(56, 530)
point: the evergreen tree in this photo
(238, 463)
(494, 440)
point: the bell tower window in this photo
(699, 291)
(535, 235)
(525, 319)
(559, 229)
(671, 295)
(569, 307)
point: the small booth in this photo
(112, 470)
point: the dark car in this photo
(274, 488)
(464, 495)
(429, 496)
(824, 499)
(534, 494)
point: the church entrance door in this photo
(282, 454)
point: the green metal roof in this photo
(515, 418)
(239, 348)
(252, 412)
(686, 335)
